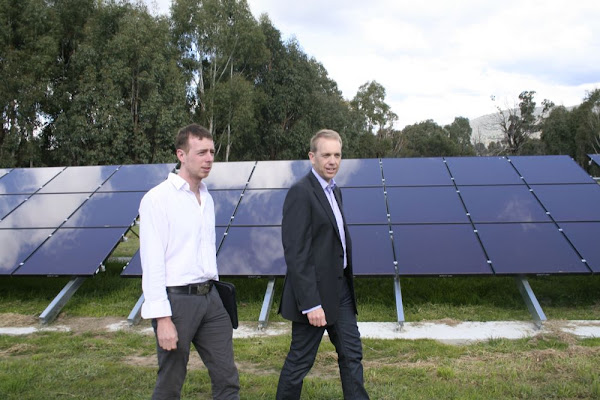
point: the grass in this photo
(122, 365)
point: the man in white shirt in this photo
(178, 253)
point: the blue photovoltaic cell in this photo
(70, 252)
(133, 269)
(550, 169)
(364, 206)
(9, 202)
(439, 250)
(535, 248)
(27, 180)
(229, 175)
(359, 173)
(502, 204)
(372, 252)
(4, 171)
(17, 244)
(425, 205)
(278, 174)
(137, 178)
(570, 202)
(260, 207)
(79, 179)
(104, 210)
(595, 158)
(44, 211)
(252, 251)
(225, 203)
(585, 237)
(483, 171)
(415, 172)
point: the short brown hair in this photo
(325, 134)
(195, 130)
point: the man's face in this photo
(197, 161)
(326, 160)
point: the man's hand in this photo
(166, 333)
(317, 317)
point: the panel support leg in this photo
(532, 303)
(136, 313)
(53, 309)
(399, 306)
(263, 319)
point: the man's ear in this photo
(180, 154)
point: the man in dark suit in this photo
(318, 292)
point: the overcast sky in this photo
(439, 59)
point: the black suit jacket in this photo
(313, 252)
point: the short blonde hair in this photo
(325, 134)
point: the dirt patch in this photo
(17, 320)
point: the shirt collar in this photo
(323, 182)
(179, 183)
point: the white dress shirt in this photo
(177, 241)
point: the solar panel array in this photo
(421, 216)
(414, 217)
(594, 157)
(67, 221)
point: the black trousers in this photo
(203, 322)
(303, 350)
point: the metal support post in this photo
(532, 303)
(263, 319)
(53, 309)
(136, 313)
(399, 306)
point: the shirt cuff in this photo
(156, 309)
(311, 309)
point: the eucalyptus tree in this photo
(130, 93)
(459, 132)
(426, 139)
(27, 57)
(222, 48)
(377, 115)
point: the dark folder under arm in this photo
(227, 293)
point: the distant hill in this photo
(486, 129)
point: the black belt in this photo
(200, 289)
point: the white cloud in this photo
(440, 59)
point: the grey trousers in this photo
(203, 322)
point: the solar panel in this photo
(529, 248)
(27, 180)
(570, 202)
(252, 251)
(72, 252)
(502, 204)
(9, 202)
(425, 205)
(137, 178)
(549, 169)
(372, 252)
(79, 179)
(17, 244)
(364, 205)
(229, 175)
(595, 158)
(483, 171)
(107, 210)
(260, 207)
(584, 236)
(44, 211)
(225, 203)
(415, 172)
(278, 174)
(359, 173)
(438, 250)
(133, 269)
